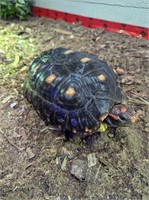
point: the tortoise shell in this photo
(72, 90)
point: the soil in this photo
(36, 163)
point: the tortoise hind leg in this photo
(68, 135)
(112, 132)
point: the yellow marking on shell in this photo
(50, 78)
(101, 77)
(70, 91)
(84, 60)
(68, 52)
(103, 117)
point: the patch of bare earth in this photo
(35, 163)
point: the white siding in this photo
(134, 12)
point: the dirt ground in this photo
(35, 162)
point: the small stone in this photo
(122, 140)
(58, 160)
(69, 197)
(53, 197)
(111, 135)
(9, 176)
(22, 110)
(22, 133)
(30, 153)
(16, 135)
(78, 169)
(68, 153)
(46, 196)
(62, 38)
(92, 160)
(72, 36)
(13, 105)
(63, 166)
(146, 130)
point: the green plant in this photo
(14, 8)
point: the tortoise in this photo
(75, 91)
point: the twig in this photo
(12, 144)
(143, 100)
(63, 31)
(138, 101)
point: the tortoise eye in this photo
(123, 116)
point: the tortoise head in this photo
(119, 116)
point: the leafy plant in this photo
(14, 8)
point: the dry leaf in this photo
(120, 71)
(127, 80)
